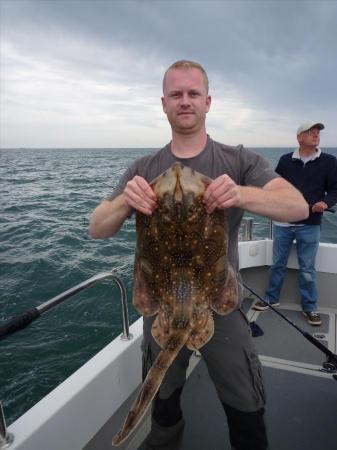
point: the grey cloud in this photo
(249, 43)
(276, 56)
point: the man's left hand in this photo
(222, 193)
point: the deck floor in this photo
(301, 411)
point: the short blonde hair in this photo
(185, 64)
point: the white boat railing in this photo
(22, 321)
(6, 438)
(246, 229)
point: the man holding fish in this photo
(236, 179)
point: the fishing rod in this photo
(330, 365)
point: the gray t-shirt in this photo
(245, 167)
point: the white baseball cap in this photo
(305, 126)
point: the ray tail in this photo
(152, 382)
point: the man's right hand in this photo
(140, 196)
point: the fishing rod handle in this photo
(18, 323)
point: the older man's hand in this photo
(319, 207)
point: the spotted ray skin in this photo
(181, 274)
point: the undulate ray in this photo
(181, 275)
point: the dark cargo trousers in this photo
(235, 369)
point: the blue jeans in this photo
(307, 241)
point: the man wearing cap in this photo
(314, 173)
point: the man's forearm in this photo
(108, 217)
(278, 200)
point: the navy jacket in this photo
(316, 180)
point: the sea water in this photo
(47, 196)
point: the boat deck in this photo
(301, 411)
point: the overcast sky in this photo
(88, 73)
